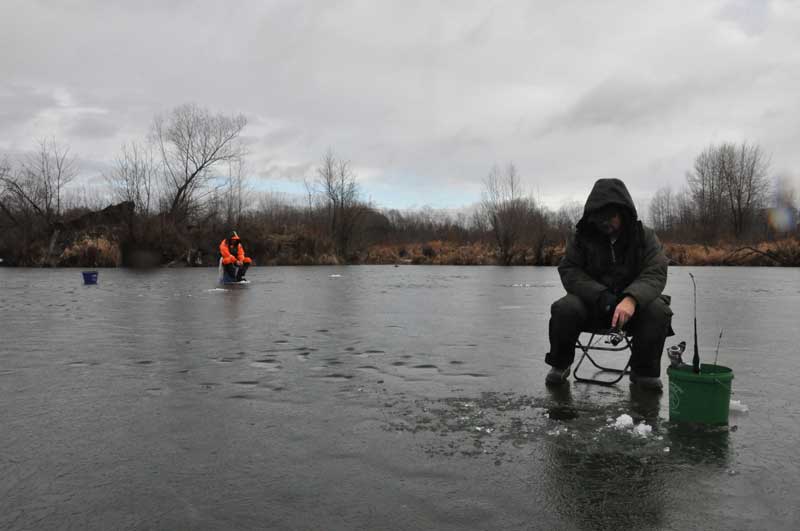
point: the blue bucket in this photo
(89, 277)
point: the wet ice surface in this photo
(374, 398)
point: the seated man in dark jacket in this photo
(614, 271)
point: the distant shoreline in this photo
(782, 253)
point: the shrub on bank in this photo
(91, 252)
(782, 252)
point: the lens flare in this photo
(782, 219)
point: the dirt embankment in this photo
(91, 239)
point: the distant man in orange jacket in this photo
(234, 261)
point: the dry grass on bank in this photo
(91, 252)
(430, 253)
(782, 252)
(450, 253)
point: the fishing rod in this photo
(696, 357)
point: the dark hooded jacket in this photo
(634, 265)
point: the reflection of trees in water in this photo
(614, 480)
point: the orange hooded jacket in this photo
(228, 258)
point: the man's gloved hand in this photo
(607, 302)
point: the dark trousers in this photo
(236, 273)
(649, 326)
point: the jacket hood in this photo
(608, 192)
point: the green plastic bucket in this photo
(703, 398)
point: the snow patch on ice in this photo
(737, 406)
(623, 422)
(642, 429)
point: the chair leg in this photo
(585, 354)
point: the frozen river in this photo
(375, 398)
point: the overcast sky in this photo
(423, 97)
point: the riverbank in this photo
(777, 253)
(105, 252)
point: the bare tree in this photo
(191, 141)
(705, 186)
(83, 197)
(236, 192)
(662, 210)
(38, 183)
(6, 196)
(510, 213)
(745, 183)
(133, 177)
(277, 214)
(568, 216)
(728, 185)
(337, 183)
(685, 215)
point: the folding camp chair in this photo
(617, 342)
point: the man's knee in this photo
(569, 307)
(655, 317)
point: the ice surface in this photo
(558, 430)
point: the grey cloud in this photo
(20, 104)
(750, 16)
(437, 91)
(282, 136)
(94, 125)
(290, 172)
(621, 102)
(93, 5)
(463, 139)
(94, 171)
(625, 101)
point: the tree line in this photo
(727, 195)
(186, 184)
